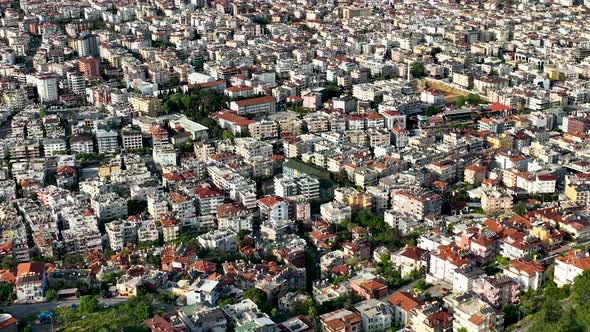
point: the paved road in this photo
(20, 311)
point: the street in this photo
(21, 311)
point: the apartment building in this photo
(417, 203)
(31, 282)
(259, 105)
(120, 233)
(223, 240)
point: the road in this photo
(21, 311)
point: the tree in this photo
(51, 294)
(520, 208)
(502, 260)
(581, 289)
(227, 135)
(256, 295)
(8, 263)
(136, 207)
(431, 110)
(417, 69)
(88, 304)
(460, 101)
(5, 291)
(474, 99)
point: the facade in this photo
(31, 282)
(569, 266)
(259, 105)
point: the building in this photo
(258, 105)
(120, 233)
(47, 88)
(246, 316)
(234, 217)
(81, 143)
(146, 105)
(31, 282)
(264, 129)
(307, 186)
(132, 138)
(208, 199)
(273, 208)
(445, 262)
(375, 315)
(202, 318)
(496, 290)
(577, 188)
(528, 274)
(223, 240)
(89, 67)
(107, 141)
(341, 320)
(417, 203)
(109, 206)
(474, 174)
(495, 200)
(474, 314)
(335, 213)
(403, 304)
(569, 266)
(164, 155)
(410, 259)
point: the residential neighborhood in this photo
(293, 166)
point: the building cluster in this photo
(307, 150)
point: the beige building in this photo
(146, 105)
(495, 200)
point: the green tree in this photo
(417, 69)
(227, 134)
(431, 110)
(5, 291)
(460, 101)
(520, 208)
(51, 294)
(501, 260)
(88, 304)
(474, 99)
(256, 295)
(581, 289)
(136, 207)
(8, 263)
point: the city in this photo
(294, 166)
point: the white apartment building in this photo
(335, 213)
(250, 148)
(54, 146)
(31, 282)
(147, 231)
(307, 186)
(569, 266)
(375, 315)
(120, 233)
(164, 155)
(208, 199)
(47, 87)
(157, 205)
(224, 240)
(474, 314)
(259, 105)
(107, 141)
(109, 206)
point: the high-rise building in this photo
(87, 45)
(47, 87)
